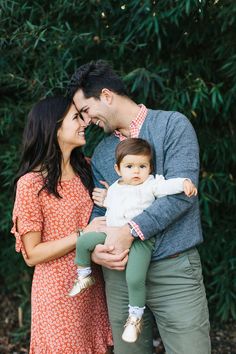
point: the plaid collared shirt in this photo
(135, 124)
(135, 127)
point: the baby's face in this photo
(134, 169)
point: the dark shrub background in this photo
(173, 55)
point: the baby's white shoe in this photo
(132, 329)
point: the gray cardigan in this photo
(175, 219)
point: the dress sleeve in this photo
(27, 209)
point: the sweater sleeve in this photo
(163, 187)
(97, 211)
(181, 159)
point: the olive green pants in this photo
(137, 267)
(176, 297)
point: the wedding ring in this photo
(97, 122)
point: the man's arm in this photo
(181, 159)
(97, 177)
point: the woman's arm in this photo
(39, 252)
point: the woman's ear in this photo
(117, 169)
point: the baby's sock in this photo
(84, 272)
(136, 311)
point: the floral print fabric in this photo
(60, 324)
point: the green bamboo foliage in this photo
(173, 55)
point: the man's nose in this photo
(87, 120)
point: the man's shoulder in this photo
(166, 116)
(167, 122)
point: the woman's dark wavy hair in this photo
(41, 151)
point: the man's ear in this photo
(107, 95)
(117, 169)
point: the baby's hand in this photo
(189, 188)
(99, 194)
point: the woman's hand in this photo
(98, 224)
(99, 194)
(189, 188)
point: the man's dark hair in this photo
(93, 77)
(133, 146)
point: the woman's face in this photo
(71, 134)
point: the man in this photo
(175, 291)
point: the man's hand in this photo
(103, 256)
(119, 237)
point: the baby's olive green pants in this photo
(137, 267)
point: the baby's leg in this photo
(136, 271)
(84, 246)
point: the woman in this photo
(53, 201)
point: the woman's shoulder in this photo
(30, 180)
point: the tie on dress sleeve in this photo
(27, 209)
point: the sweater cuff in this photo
(135, 230)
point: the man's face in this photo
(97, 111)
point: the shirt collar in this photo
(135, 124)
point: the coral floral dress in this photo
(60, 324)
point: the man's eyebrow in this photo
(80, 110)
(83, 109)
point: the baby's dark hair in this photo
(133, 146)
